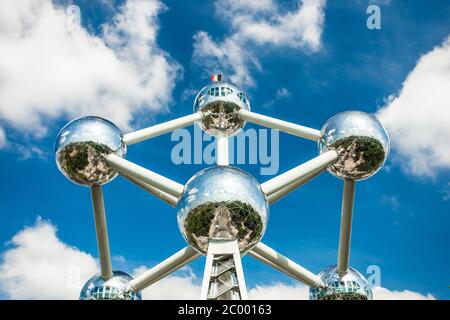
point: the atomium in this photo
(361, 142)
(220, 103)
(349, 286)
(114, 288)
(222, 203)
(222, 211)
(81, 148)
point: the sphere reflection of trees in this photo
(246, 222)
(76, 157)
(82, 147)
(222, 203)
(361, 142)
(366, 153)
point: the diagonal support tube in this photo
(285, 265)
(164, 196)
(270, 264)
(274, 197)
(149, 177)
(346, 226)
(159, 129)
(300, 172)
(285, 126)
(171, 264)
(102, 231)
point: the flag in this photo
(216, 77)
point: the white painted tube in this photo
(159, 129)
(274, 197)
(302, 171)
(270, 264)
(164, 196)
(286, 265)
(285, 126)
(102, 231)
(149, 177)
(171, 264)
(348, 197)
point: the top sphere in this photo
(222, 203)
(361, 142)
(115, 288)
(81, 148)
(220, 103)
(349, 286)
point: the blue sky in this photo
(401, 221)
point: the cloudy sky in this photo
(138, 63)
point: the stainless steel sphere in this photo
(351, 286)
(360, 140)
(115, 288)
(81, 148)
(222, 203)
(220, 103)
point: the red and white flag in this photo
(216, 77)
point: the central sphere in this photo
(220, 103)
(114, 288)
(222, 203)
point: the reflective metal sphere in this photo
(360, 140)
(115, 288)
(81, 148)
(351, 286)
(222, 203)
(220, 102)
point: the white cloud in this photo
(2, 138)
(391, 201)
(298, 29)
(418, 117)
(280, 94)
(228, 56)
(119, 259)
(256, 25)
(48, 70)
(380, 293)
(446, 192)
(41, 266)
(279, 291)
(284, 291)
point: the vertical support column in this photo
(346, 226)
(102, 231)
(224, 277)
(222, 150)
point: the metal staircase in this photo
(223, 278)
